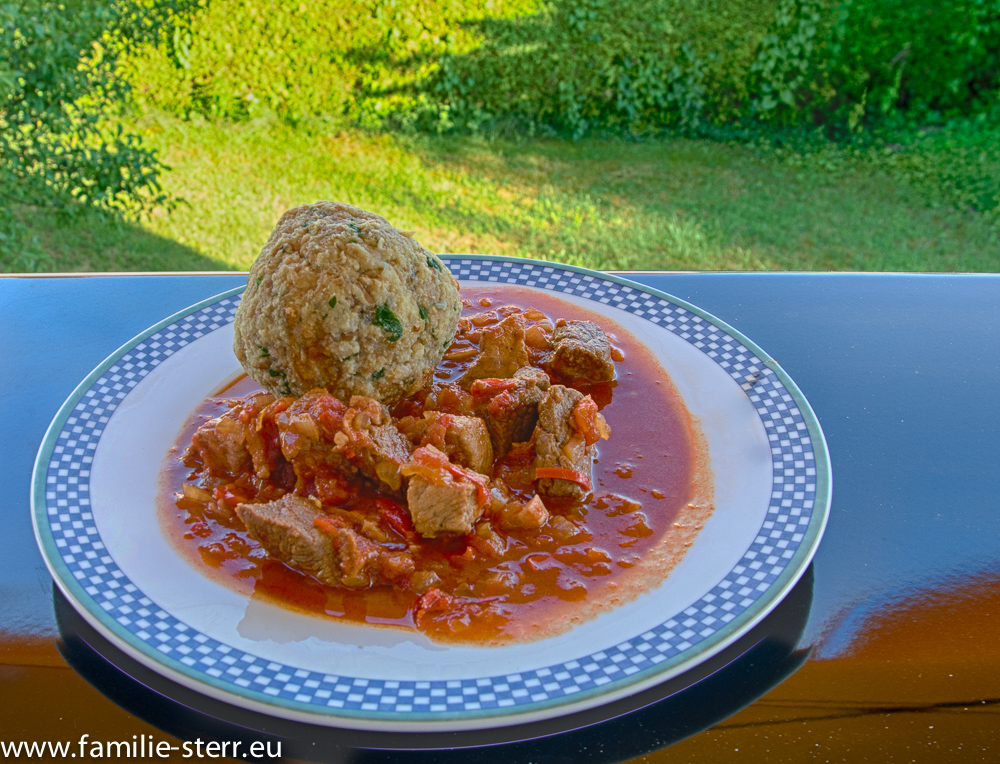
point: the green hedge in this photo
(300, 58)
(914, 83)
(603, 64)
(844, 66)
(61, 143)
(879, 63)
(461, 63)
(578, 65)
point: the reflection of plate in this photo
(94, 508)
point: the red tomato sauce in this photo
(651, 493)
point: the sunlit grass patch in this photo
(608, 204)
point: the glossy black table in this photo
(885, 651)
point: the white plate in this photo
(94, 507)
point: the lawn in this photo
(661, 204)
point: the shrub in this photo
(58, 85)
(911, 87)
(580, 65)
(300, 58)
(576, 66)
(859, 64)
(957, 165)
(910, 82)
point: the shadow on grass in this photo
(600, 203)
(86, 241)
(695, 204)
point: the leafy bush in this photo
(297, 58)
(858, 64)
(443, 63)
(58, 84)
(909, 83)
(909, 87)
(580, 65)
(843, 65)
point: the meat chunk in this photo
(220, 444)
(561, 449)
(370, 441)
(287, 530)
(532, 377)
(531, 515)
(465, 439)
(442, 509)
(317, 431)
(501, 352)
(511, 412)
(297, 532)
(581, 350)
(363, 562)
(443, 497)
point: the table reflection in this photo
(632, 726)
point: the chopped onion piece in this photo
(194, 493)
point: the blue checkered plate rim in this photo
(564, 678)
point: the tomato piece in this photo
(334, 489)
(589, 422)
(327, 525)
(433, 601)
(229, 495)
(397, 518)
(434, 467)
(501, 403)
(489, 387)
(562, 473)
(452, 399)
(521, 453)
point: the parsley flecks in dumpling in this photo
(387, 320)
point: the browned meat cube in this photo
(296, 532)
(501, 352)
(287, 530)
(220, 444)
(370, 442)
(511, 414)
(582, 351)
(305, 426)
(517, 515)
(464, 439)
(563, 460)
(471, 439)
(443, 497)
(317, 432)
(533, 377)
(363, 562)
(442, 509)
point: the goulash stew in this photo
(550, 471)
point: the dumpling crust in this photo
(340, 299)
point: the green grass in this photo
(670, 204)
